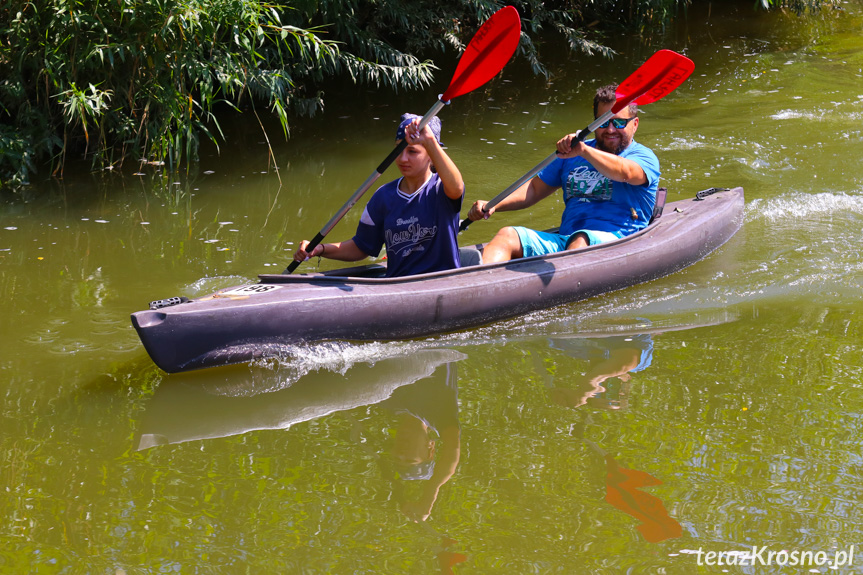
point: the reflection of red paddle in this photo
(487, 53)
(447, 559)
(622, 491)
(622, 485)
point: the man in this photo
(609, 188)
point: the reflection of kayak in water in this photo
(184, 408)
(620, 329)
(242, 323)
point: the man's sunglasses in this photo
(619, 123)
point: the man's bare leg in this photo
(503, 247)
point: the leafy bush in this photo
(121, 78)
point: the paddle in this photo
(659, 76)
(487, 53)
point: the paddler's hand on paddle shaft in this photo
(569, 146)
(477, 211)
(421, 138)
(302, 255)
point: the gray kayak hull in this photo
(249, 322)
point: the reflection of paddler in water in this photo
(616, 357)
(427, 442)
(426, 446)
(606, 380)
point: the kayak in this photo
(248, 322)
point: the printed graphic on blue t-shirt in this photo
(410, 239)
(587, 184)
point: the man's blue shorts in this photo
(534, 243)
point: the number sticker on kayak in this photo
(251, 289)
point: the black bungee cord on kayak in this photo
(709, 192)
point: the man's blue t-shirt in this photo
(593, 202)
(419, 230)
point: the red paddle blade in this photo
(655, 79)
(488, 52)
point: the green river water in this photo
(729, 415)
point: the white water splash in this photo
(682, 144)
(817, 115)
(206, 286)
(335, 356)
(804, 206)
(283, 368)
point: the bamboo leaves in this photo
(82, 107)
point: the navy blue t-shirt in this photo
(419, 230)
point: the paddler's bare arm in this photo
(611, 166)
(453, 183)
(346, 251)
(524, 197)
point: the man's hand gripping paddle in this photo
(486, 55)
(655, 79)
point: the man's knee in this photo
(506, 244)
(508, 236)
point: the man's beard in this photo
(622, 145)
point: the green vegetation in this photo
(134, 79)
(125, 80)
